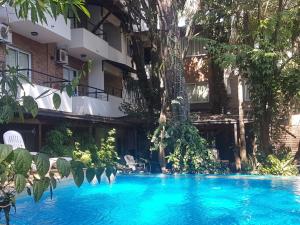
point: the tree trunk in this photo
(242, 139)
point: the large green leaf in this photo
(69, 90)
(39, 187)
(109, 171)
(56, 100)
(42, 164)
(6, 113)
(90, 174)
(20, 183)
(30, 105)
(77, 172)
(22, 160)
(99, 172)
(63, 167)
(5, 151)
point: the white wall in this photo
(91, 106)
(46, 102)
(85, 42)
(53, 31)
(295, 120)
(96, 76)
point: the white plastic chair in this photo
(14, 139)
(131, 163)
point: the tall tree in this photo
(164, 37)
(265, 50)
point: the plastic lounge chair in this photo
(132, 164)
(15, 139)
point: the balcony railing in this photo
(89, 26)
(114, 91)
(50, 81)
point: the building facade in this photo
(53, 54)
(217, 101)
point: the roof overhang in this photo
(125, 68)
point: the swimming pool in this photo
(161, 200)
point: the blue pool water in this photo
(161, 200)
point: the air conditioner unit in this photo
(62, 56)
(5, 34)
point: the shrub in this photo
(280, 163)
(188, 151)
(107, 154)
(82, 155)
(59, 142)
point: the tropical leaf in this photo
(5, 151)
(22, 160)
(39, 187)
(20, 183)
(30, 105)
(99, 172)
(42, 164)
(77, 172)
(63, 167)
(90, 174)
(56, 100)
(69, 90)
(109, 171)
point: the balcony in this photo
(86, 100)
(55, 31)
(84, 42)
(95, 44)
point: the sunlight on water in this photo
(163, 199)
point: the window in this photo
(198, 92)
(17, 58)
(70, 74)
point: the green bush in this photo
(107, 154)
(59, 142)
(188, 151)
(82, 155)
(280, 163)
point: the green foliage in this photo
(84, 156)
(63, 167)
(30, 105)
(20, 182)
(77, 172)
(107, 154)
(22, 161)
(59, 142)
(188, 151)
(56, 100)
(260, 40)
(42, 164)
(37, 10)
(90, 174)
(280, 163)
